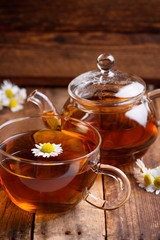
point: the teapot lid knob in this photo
(105, 62)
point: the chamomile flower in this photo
(9, 90)
(12, 96)
(143, 175)
(47, 150)
(14, 104)
(149, 179)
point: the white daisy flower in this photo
(149, 179)
(47, 150)
(9, 90)
(12, 96)
(143, 175)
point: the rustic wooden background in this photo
(48, 43)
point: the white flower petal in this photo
(6, 84)
(141, 185)
(6, 101)
(22, 95)
(157, 192)
(17, 108)
(141, 165)
(15, 89)
(150, 188)
(38, 146)
(156, 172)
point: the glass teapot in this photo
(117, 105)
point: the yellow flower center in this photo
(47, 148)
(9, 93)
(0, 103)
(13, 103)
(157, 182)
(147, 180)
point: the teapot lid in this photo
(107, 85)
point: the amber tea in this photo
(51, 188)
(49, 163)
(127, 131)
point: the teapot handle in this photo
(152, 95)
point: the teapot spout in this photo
(42, 101)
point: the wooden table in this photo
(138, 219)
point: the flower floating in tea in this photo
(47, 150)
(149, 179)
(12, 96)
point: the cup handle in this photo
(125, 188)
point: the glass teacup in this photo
(49, 163)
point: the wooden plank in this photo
(54, 59)
(14, 222)
(61, 15)
(82, 222)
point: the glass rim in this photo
(86, 102)
(49, 163)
